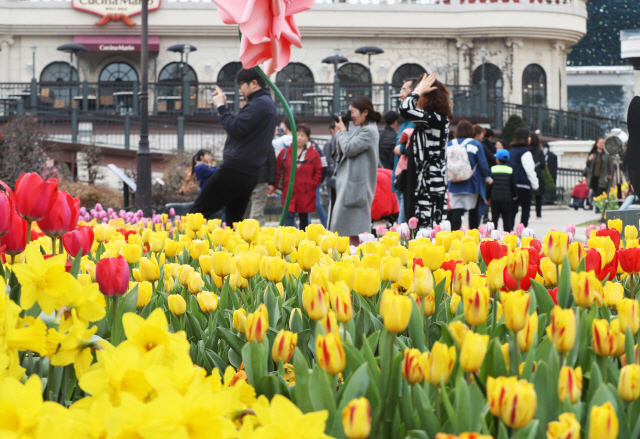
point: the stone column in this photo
(514, 93)
(5, 42)
(464, 46)
(556, 87)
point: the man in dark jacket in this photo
(245, 150)
(552, 161)
(387, 141)
(266, 185)
(502, 190)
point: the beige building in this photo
(525, 43)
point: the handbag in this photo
(401, 181)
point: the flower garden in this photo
(180, 328)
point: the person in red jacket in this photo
(308, 178)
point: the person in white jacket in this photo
(524, 173)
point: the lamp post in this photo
(186, 95)
(34, 85)
(143, 191)
(335, 60)
(483, 86)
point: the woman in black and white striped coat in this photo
(429, 108)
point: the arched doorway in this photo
(117, 84)
(407, 71)
(534, 85)
(355, 81)
(53, 90)
(296, 82)
(169, 96)
(492, 74)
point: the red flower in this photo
(554, 295)
(67, 267)
(15, 240)
(491, 250)
(610, 269)
(536, 245)
(34, 197)
(126, 233)
(510, 284)
(417, 261)
(611, 233)
(63, 216)
(78, 240)
(629, 260)
(450, 266)
(112, 275)
(534, 256)
(6, 213)
(592, 261)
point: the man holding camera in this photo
(245, 150)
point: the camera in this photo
(346, 116)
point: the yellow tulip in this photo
(219, 237)
(444, 239)
(526, 334)
(433, 256)
(206, 263)
(629, 314)
(428, 304)
(473, 352)
(100, 233)
(516, 309)
(519, 404)
(495, 275)
(343, 306)
(319, 276)
(567, 427)
(630, 232)
(248, 264)
(330, 353)
(196, 284)
(283, 346)
(308, 255)
(132, 253)
(405, 285)
(476, 305)
(330, 323)
(557, 246)
(586, 288)
(275, 268)
(198, 248)
(208, 301)
(367, 282)
(497, 388)
(411, 368)
(562, 330)
(461, 278)
(343, 271)
(629, 382)
(314, 301)
(613, 292)
(237, 281)
(604, 339)
(84, 279)
(518, 263)
(615, 224)
(458, 331)
(453, 304)
(395, 311)
(549, 272)
(603, 422)
(177, 304)
(570, 384)
(422, 281)
(356, 419)
(144, 294)
(194, 221)
(249, 230)
(438, 364)
(256, 326)
(315, 232)
(240, 320)
(401, 253)
(469, 252)
(221, 263)
(149, 269)
(576, 254)
(184, 274)
(510, 241)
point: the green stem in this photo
(426, 332)
(60, 247)
(29, 232)
(514, 354)
(294, 143)
(114, 309)
(494, 312)
(53, 246)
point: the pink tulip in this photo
(413, 223)
(172, 212)
(589, 229)
(404, 231)
(519, 229)
(380, 230)
(571, 228)
(267, 28)
(99, 207)
(603, 226)
(87, 217)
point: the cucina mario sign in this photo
(115, 10)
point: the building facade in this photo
(525, 43)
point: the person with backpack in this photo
(524, 170)
(502, 190)
(467, 172)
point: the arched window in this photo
(173, 72)
(407, 71)
(295, 72)
(491, 74)
(351, 75)
(59, 72)
(118, 72)
(228, 72)
(534, 85)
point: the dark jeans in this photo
(474, 217)
(539, 206)
(502, 209)
(225, 188)
(594, 184)
(524, 200)
(290, 221)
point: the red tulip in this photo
(592, 261)
(629, 260)
(611, 233)
(77, 240)
(554, 295)
(15, 240)
(6, 213)
(534, 256)
(610, 269)
(491, 250)
(510, 284)
(450, 266)
(63, 216)
(536, 245)
(34, 197)
(112, 275)
(417, 261)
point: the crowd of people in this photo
(414, 167)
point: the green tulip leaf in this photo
(462, 406)
(416, 327)
(416, 434)
(528, 432)
(564, 284)
(255, 356)
(629, 347)
(126, 303)
(322, 392)
(301, 394)
(407, 412)
(234, 341)
(428, 420)
(355, 387)
(542, 297)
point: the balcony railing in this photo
(117, 99)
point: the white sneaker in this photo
(539, 219)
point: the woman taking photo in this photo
(356, 172)
(308, 178)
(468, 194)
(524, 172)
(429, 108)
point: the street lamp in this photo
(184, 49)
(483, 85)
(369, 50)
(34, 85)
(143, 191)
(335, 60)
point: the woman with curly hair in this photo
(429, 108)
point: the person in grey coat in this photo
(355, 172)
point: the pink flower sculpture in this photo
(267, 27)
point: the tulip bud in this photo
(516, 309)
(469, 252)
(438, 364)
(411, 368)
(206, 263)
(576, 254)
(219, 237)
(112, 275)
(132, 253)
(604, 340)
(177, 304)
(283, 346)
(495, 275)
(149, 269)
(84, 279)
(570, 384)
(549, 272)
(566, 428)
(330, 353)
(256, 326)
(458, 331)
(295, 320)
(367, 282)
(519, 404)
(240, 320)
(562, 330)
(144, 294)
(630, 232)
(433, 257)
(629, 314)
(100, 233)
(308, 255)
(476, 305)
(156, 243)
(330, 323)
(314, 301)
(390, 269)
(473, 351)
(275, 268)
(440, 275)
(248, 264)
(518, 263)
(496, 390)
(343, 305)
(208, 301)
(629, 382)
(613, 292)
(356, 419)
(557, 246)
(461, 278)
(429, 304)
(194, 221)
(422, 281)
(221, 263)
(444, 239)
(395, 311)
(586, 288)
(603, 422)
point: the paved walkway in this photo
(557, 217)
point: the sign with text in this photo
(115, 10)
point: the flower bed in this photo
(186, 329)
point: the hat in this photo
(502, 155)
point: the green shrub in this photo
(513, 123)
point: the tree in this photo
(93, 154)
(23, 149)
(513, 123)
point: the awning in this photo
(116, 43)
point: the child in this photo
(308, 178)
(502, 190)
(202, 167)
